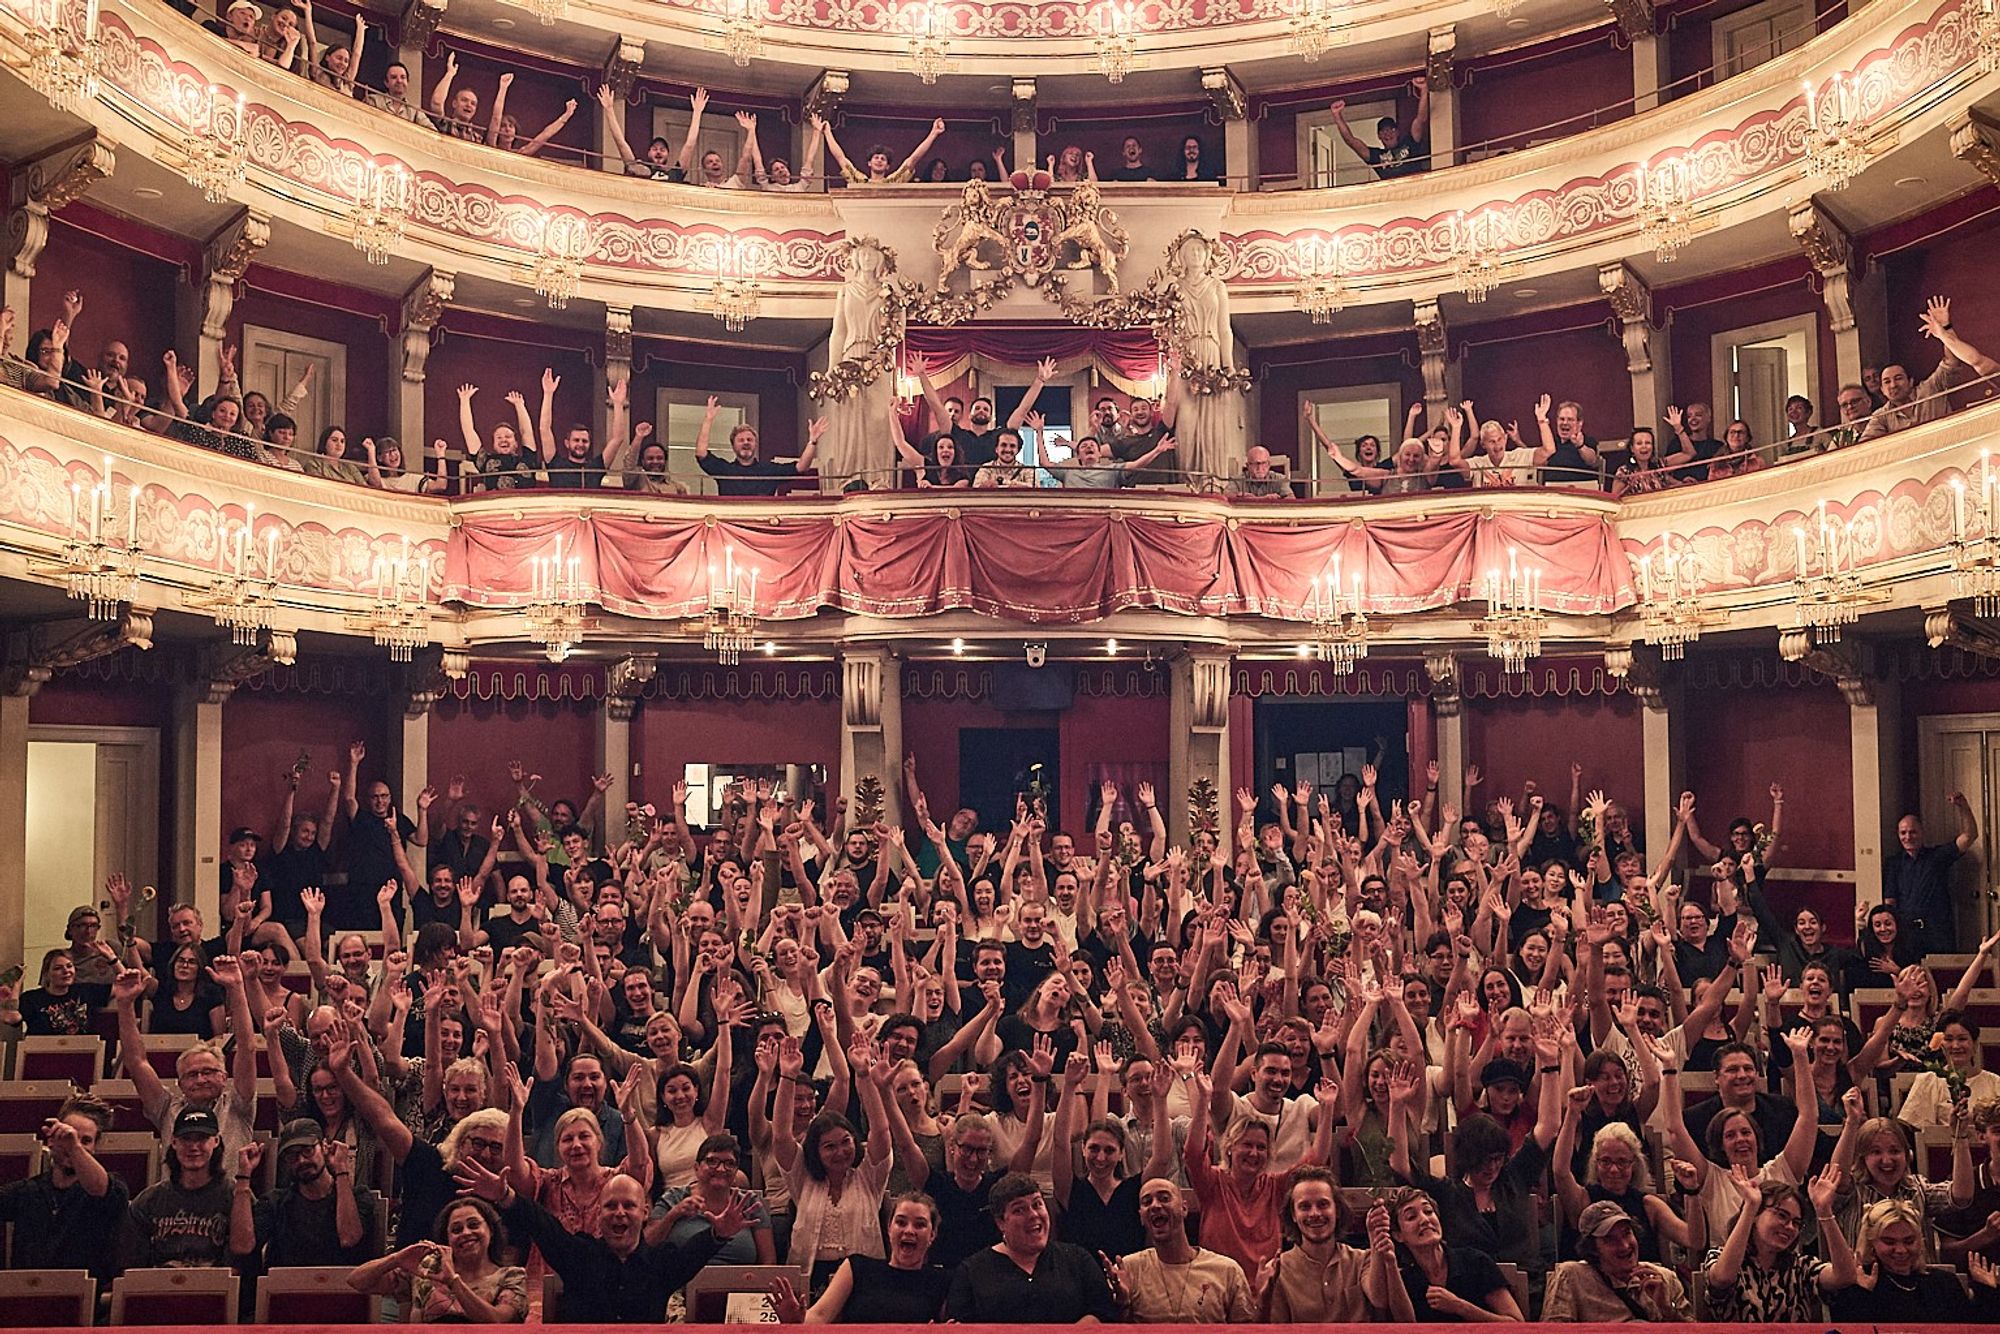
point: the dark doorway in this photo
(997, 764)
(1321, 739)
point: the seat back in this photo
(174, 1297)
(20, 1157)
(551, 1297)
(1517, 1280)
(48, 1298)
(26, 1103)
(122, 1097)
(133, 1156)
(163, 1053)
(78, 1059)
(313, 1295)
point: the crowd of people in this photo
(1387, 1060)
(964, 444)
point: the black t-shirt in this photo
(575, 476)
(1027, 965)
(976, 448)
(427, 1188)
(68, 1015)
(504, 930)
(285, 873)
(885, 1295)
(64, 1227)
(1067, 1285)
(1406, 159)
(293, 1230)
(505, 472)
(1122, 172)
(965, 1225)
(1469, 1274)
(197, 1020)
(1705, 448)
(759, 477)
(463, 855)
(1567, 464)
(371, 863)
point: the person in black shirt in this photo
(1027, 1277)
(1694, 427)
(315, 1217)
(615, 1278)
(463, 847)
(905, 1289)
(977, 437)
(1132, 162)
(572, 462)
(743, 473)
(60, 1006)
(296, 858)
(68, 1215)
(1572, 458)
(1405, 149)
(1445, 1283)
(372, 847)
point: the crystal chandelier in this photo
(556, 606)
(1836, 147)
(1670, 609)
(1666, 207)
(1313, 30)
(1477, 262)
(380, 212)
(1986, 28)
(1321, 290)
(733, 297)
(97, 569)
(548, 11)
(399, 617)
(217, 150)
(1514, 617)
(742, 35)
(930, 46)
(1975, 562)
(1829, 596)
(1117, 42)
(1339, 621)
(729, 626)
(242, 600)
(60, 66)
(558, 269)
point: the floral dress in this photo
(1786, 1293)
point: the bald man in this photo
(1174, 1281)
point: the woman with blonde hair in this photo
(1616, 1172)
(1884, 1172)
(1896, 1285)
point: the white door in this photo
(1761, 389)
(93, 809)
(273, 360)
(1749, 37)
(1345, 415)
(1961, 753)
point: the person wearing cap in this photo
(96, 958)
(1609, 1283)
(1487, 1203)
(182, 1221)
(201, 1079)
(314, 1217)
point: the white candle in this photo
(242, 544)
(1812, 105)
(271, 553)
(1800, 534)
(753, 588)
(75, 509)
(1957, 510)
(1357, 592)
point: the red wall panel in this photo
(1739, 742)
(127, 295)
(1957, 264)
(1510, 102)
(1517, 740)
(535, 98)
(498, 365)
(264, 732)
(1113, 730)
(477, 739)
(1734, 302)
(1278, 426)
(1504, 377)
(667, 736)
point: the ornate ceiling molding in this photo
(37, 654)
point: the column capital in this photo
(1434, 346)
(621, 66)
(43, 186)
(221, 666)
(1850, 662)
(1946, 627)
(1635, 18)
(423, 307)
(224, 261)
(1441, 56)
(618, 335)
(1024, 95)
(823, 99)
(420, 21)
(37, 654)
(1646, 676)
(1975, 141)
(625, 683)
(1224, 93)
(1830, 251)
(1442, 668)
(426, 676)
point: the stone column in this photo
(1239, 136)
(223, 264)
(198, 797)
(423, 307)
(617, 370)
(1830, 251)
(1875, 759)
(624, 691)
(1448, 719)
(1438, 70)
(13, 824)
(422, 683)
(1632, 302)
(1433, 342)
(1199, 716)
(37, 189)
(1638, 26)
(1663, 745)
(871, 725)
(1026, 143)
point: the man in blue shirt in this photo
(1916, 880)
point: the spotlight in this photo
(1110, 648)
(1038, 654)
(958, 648)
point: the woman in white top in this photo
(685, 1120)
(1740, 1144)
(1929, 1102)
(836, 1191)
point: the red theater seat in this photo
(47, 1298)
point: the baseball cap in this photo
(81, 911)
(299, 1133)
(242, 832)
(1599, 1218)
(196, 1123)
(1504, 1071)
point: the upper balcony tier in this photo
(1552, 215)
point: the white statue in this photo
(861, 428)
(1209, 427)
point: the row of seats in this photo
(67, 1298)
(88, 1059)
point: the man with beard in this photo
(1146, 425)
(1027, 1277)
(1174, 1281)
(1322, 1279)
(315, 1217)
(977, 437)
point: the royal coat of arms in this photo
(1030, 234)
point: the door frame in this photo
(146, 823)
(1932, 809)
(1719, 344)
